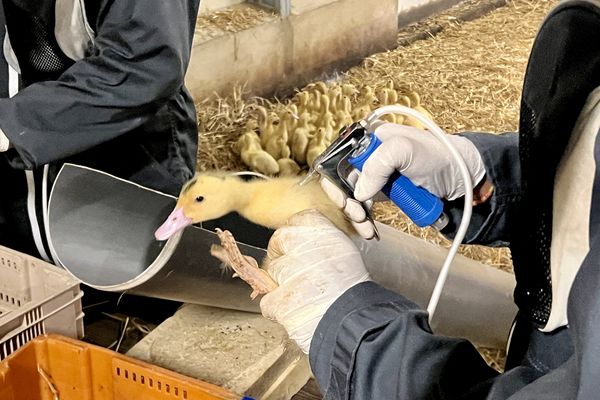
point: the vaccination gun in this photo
(351, 150)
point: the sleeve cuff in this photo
(489, 223)
(360, 310)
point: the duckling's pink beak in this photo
(174, 223)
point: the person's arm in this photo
(375, 344)
(138, 63)
(492, 162)
(492, 219)
(365, 342)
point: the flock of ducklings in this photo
(284, 142)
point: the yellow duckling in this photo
(263, 117)
(368, 100)
(415, 98)
(305, 122)
(335, 93)
(316, 146)
(343, 116)
(267, 129)
(386, 97)
(300, 139)
(383, 97)
(323, 115)
(252, 154)
(288, 167)
(322, 87)
(390, 85)
(325, 104)
(349, 90)
(337, 102)
(361, 111)
(269, 203)
(328, 121)
(314, 103)
(330, 134)
(414, 101)
(392, 96)
(368, 95)
(303, 99)
(404, 101)
(277, 146)
(291, 117)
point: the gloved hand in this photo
(313, 263)
(420, 157)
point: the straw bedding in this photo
(232, 19)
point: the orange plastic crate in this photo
(53, 367)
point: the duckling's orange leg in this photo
(245, 267)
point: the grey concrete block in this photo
(302, 6)
(206, 63)
(240, 351)
(342, 32)
(284, 53)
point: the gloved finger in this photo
(393, 155)
(355, 210)
(353, 177)
(271, 303)
(337, 196)
(266, 307)
(365, 229)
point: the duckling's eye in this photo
(199, 199)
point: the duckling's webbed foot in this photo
(245, 267)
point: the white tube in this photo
(468, 184)
(118, 253)
(13, 81)
(35, 226)
(45, 215)
(13, 89)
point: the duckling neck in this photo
(247, 194)
(259, 200)
(240, 193)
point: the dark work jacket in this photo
(376, 344)
(118, 105)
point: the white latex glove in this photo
(4, 143)
(419, 156)
(352, 208)
(313, 263)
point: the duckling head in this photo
(204, 198)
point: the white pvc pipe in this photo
(109, 244)
(477, 301)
